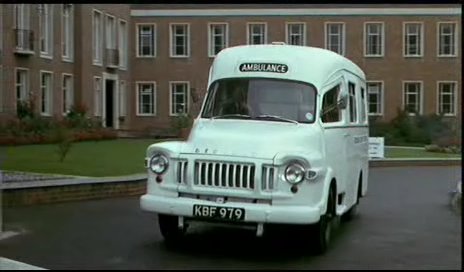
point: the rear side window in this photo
(352, 99)
(330, 111)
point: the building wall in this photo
(393, 68)
(81, 67)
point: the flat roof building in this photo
(135, 66)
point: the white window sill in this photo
(145, 115)
(44, 56)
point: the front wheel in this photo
(170, 231)
(322, 232)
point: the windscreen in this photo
(255, 98)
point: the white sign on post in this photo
(376, 147)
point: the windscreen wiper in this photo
(275, 117)
(231, 116)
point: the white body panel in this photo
(334, 151)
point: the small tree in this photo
(64, 140)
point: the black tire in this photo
(170, 231)
(323, 229)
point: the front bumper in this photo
(254, 212)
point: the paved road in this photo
(405, 223)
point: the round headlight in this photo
(159, 164)
(294, 173)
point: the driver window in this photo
(330, 110)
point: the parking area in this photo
(405, 222)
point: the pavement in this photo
(404, 222)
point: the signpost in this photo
(376, 148)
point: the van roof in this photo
(308, 64)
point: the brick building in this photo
(137, 65)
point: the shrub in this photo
(64, 140)
(180, 122)
(415, 130)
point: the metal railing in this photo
(24, 39)
(112, 58)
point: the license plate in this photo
(220, 213)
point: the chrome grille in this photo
(268, 177)
(182, 172)
(224, 174)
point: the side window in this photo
(363, 106)
(352, 102)
(330, 110)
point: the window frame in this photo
(97, 107)
(366, 40)
(187, 96)
(287, 32)
(64, 38)
(122, 39)
(112, 35)
(381, 94)
(26, 83)
(47, 12)
(248, 32)
(454, 93)
(49, 102)
(137, 113)
(421, 95)
(422, 37)
(455, 44)
(137, 40)
(171, 41)
(97, 40)
(212, 46)
(63, 76)
(343, 41)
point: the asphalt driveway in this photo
(405, 222)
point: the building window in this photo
(413, 39)
(23, 35)
(22, 88)
(373, 39)
(412, 100)
(110, 32)
(218, 38)
(68, 94)
(97, 47)
(375, 98)
(46, 29)
(46, 90)
(296, 34)
(257, 33)
(97, 86)
(447, 42)
(179, 98)
(122, 44)
(335, 37)
(146, 37)
(67, 35)
(146, 98)
(180, 45)
(122, 98)
(447, 98)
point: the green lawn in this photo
(392, 152)
(119, 157)
(95, 159)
